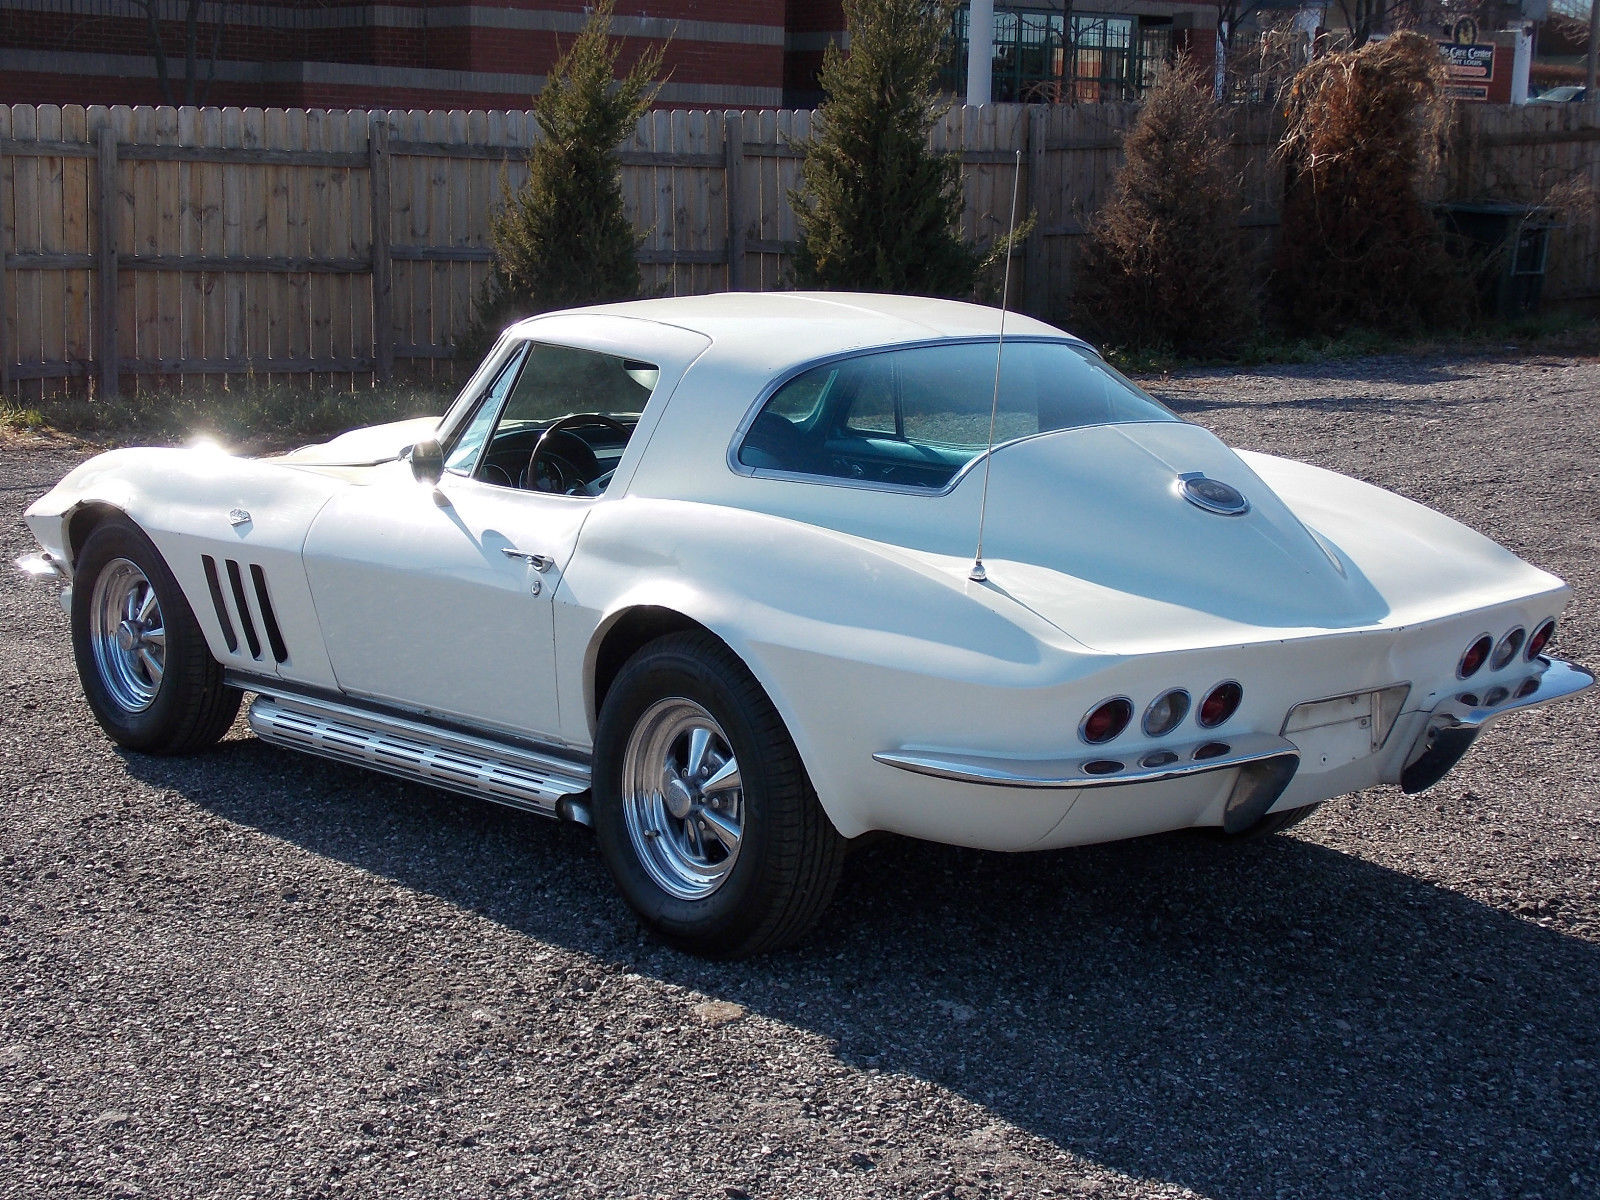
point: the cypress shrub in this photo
(563, 238)
(880, 211)
(1358, 246)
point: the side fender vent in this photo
(246, 622)
(239, 615)
(214, 586)
(268, 618)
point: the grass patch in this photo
(16, 419)
(244, 417)
(1564, 333)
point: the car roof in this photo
(811, 325)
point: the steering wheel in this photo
(562, 461)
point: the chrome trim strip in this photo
(458, 762)
(284, 689)
(1070, 773)
(1561, 679)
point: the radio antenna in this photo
(978, 574)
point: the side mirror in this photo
(427, 461)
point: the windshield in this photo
(916, 416)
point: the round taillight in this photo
(1540, 639)
(1476, 655)
(1106, 720)
(1221, 702)
(1166, 713)
(1507, 648)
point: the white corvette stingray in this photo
(701, 573)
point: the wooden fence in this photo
(343, 246)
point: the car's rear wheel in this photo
(146, 670)
(702, 807)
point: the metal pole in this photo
(980, 52)
(1594, 49)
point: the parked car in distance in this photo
(705, 575)
(1566, 94)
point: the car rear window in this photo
(915, 416)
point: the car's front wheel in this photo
(146, 670)
(703, 810)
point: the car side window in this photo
(559, 418)
(475, 433)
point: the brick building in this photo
(443, 54)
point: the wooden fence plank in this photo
(272, 242)
(358, 240)
(209, 241)
(51, 200)
(235, 299)
(413, 299)
(26, 323)
(254, 241)
(167, 294)
(437, 331)
(8, 237)
(733, 183)
(109, 218)
(381, 215)
(140, 203)
(191, 308)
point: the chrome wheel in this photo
(682, 798)
(127, 635)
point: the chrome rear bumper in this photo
(1455, 724)
(1265, 765)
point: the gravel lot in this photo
(253, 973)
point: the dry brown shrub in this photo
(1164, 266)
(1359, 247)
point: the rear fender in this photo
(827, 623)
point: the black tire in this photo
(778, 882)
(1268, 825)
(182, 708)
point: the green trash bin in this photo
(1508, 246)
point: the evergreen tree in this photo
(564, 239)
(1163, 265)
(880, 211)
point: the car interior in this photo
(913, 417)
(553, 419)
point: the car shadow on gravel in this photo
(1276, 1019)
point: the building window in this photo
(1106, 58)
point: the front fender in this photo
(197, 502)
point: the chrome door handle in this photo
(538, 562)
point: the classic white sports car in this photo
(706, 575)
